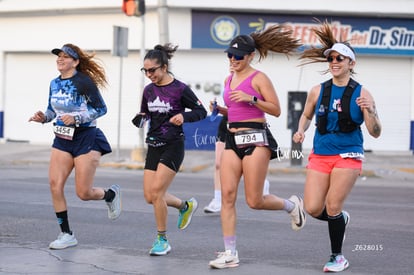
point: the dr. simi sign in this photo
(381, 36)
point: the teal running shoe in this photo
(336, 264)
(184, 217)
(160, 247)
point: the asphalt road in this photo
(379, 240)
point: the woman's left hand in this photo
(239, 96)
(366, 103)
(178, 119)
(67, 119)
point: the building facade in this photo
(382, 33)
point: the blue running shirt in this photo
(77, 95)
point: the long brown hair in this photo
(89, 66)
(276, 38)
(326, 38)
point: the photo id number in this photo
(368, 247)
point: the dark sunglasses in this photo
(236, 57)
(338, 58)
(150, 70)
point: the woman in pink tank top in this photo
(249, 145)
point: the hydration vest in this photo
(345, 122)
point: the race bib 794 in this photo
(254, 137)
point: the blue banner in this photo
(201, 135)
(1, 124)
(380, 36)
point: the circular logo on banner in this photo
(223, 29)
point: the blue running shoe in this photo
(160, 247)
(184, 217)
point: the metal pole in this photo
(138, 153)
(142, 84)
(119, 108)
(163, 21)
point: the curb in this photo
(272, 171)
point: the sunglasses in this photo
(236, 57)
(338, 58)
(150, 70)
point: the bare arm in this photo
(307, 115)
(372, 122)
(264, 86)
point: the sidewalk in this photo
(398, 165)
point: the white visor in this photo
(341, 49)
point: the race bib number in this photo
(64, 132)
(254, 137)
(352, 155)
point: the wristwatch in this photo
(77, 120)
(254, 100)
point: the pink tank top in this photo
(239, 111)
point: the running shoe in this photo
(213, 207)
(347, 218)
(160, 247)
(266, 187)
(336, 263)
(63, 241)
(298, 214)
(114, 207)
(184, 217)
(225, 260)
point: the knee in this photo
(312, 210)
(333, 209)
(255, 203)
(227, 199)
(148, 198)
(153, 195)
(55, 188)
(83, 195)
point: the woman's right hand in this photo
(298, 137)
(39, 116)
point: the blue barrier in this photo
(412, 136)
(1, 124)
(201, 135)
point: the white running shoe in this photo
(115, 206)
(266, 187)
(63, 241)
(347, 218)
(213, 207)
(225, 260)
(298, 214)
